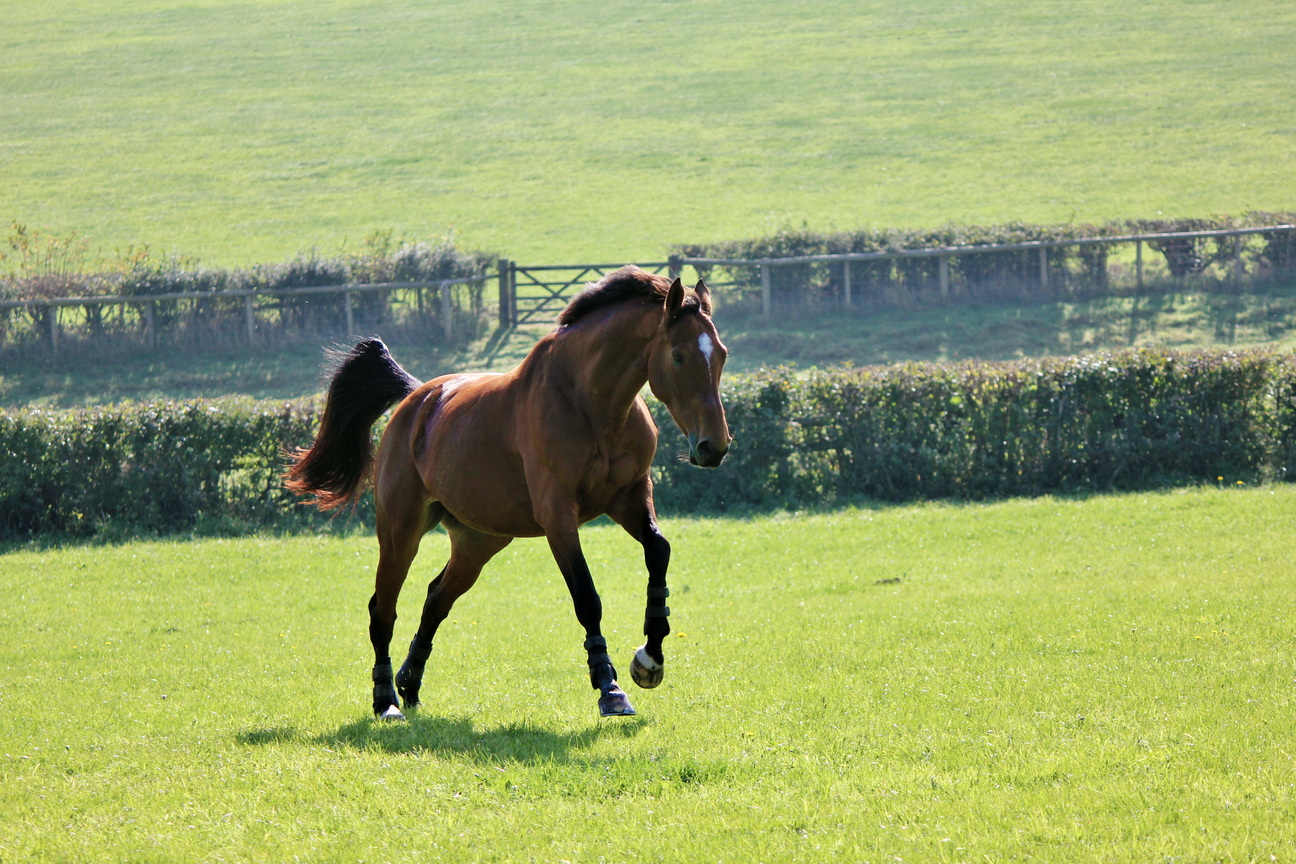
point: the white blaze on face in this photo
(704, 343)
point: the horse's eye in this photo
(677, 358)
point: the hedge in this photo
(1132, 420)
(156, 467)
(1106, 422)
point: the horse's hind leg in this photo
(469, 552)
(404, 516)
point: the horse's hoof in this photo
(409, 696)
(407, 685)
(645, 671)
(613, 702)
(392, 715)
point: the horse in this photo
(561, 439)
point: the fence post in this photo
(54, 326)
(149, 340)
(944, 275)
(846, 286)
(765, 289)
(350, 317)
(1237, 260)
(512, 281)
(447, 311)
(674, 267)
(1043, 267)
(504, 316)
(1138, 262)
(251, 318)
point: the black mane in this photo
(627, 283)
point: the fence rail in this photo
(148, 302)
(528, 292)
(945, 253)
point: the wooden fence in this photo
(533, 292)
(944, 256)
(257, 305)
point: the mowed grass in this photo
(554, 130)
(1100, 679)
(808, 337)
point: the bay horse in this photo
(537, 451)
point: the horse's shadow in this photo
(420, 734)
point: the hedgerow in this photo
(1132, 420)
(158, 467)
(978, 430)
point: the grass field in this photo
(1103, 679)
(809, 337)
(552, 131)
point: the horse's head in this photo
(684, 366)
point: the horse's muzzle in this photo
(707, 455)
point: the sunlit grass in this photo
(1107, 678)
(554, 131)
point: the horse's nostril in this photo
(705, 451)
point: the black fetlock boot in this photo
(385, 706)
(613, 701)
(410, 677)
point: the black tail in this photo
(366, 383)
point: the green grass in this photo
(809, 337)
(552, 131)
(1103, 679)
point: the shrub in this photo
(152, 467)
(978, 430)
(1125, 421)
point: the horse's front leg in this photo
(564, 542)
(634, 511)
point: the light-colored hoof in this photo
(392, 715)
(645, 671)
(613, 702)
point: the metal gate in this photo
(540, 293)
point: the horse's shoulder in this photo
(641, 431)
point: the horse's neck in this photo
(606, 359)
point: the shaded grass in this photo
(556, 131)
(813, 336)
(1092, 678)
(1006, 330)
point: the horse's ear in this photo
(674, 298)
(703, 295)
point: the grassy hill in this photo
(556, 130)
